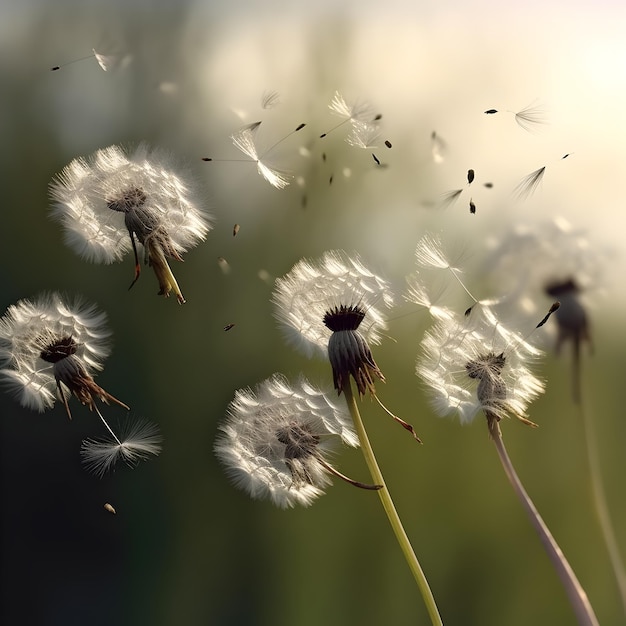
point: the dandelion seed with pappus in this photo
(360, 115)
(245, 140)
(276, 441)
(49, 349)
(113, 200)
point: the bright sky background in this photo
(438, 66)
(426, 66)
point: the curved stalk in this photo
(601, 505)
(575, 593)
(390, 509)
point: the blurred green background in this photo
(185, 547)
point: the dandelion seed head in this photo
(276, 439)
(37, 335)
(458, 351)
(531, 257)
(98, 199)
(310, 290)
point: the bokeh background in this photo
(185, 547)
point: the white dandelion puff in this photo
(276, 441)
(460, 350)
(310, 290)
(111, 201)
(50, 347)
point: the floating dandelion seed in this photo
(228, 327)
(276, 441)
(270, 99)
(360, 115)
(470, 177)
(113, 200)
(430, 254)
(388, 143)
(472, 207)
(139, 441)
(376, 160)
(449, 198)
(528, 185)
(235, 230)
(107, 62)
(244, 140)
(109, 507)
(530, 117)
(363, 135)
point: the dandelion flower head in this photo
(276, 439)
(44, 339)
(100, 199)
(475, 363)
(312, 290)
(532, 256)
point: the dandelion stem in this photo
(390, 509)
(576, 594)
(600, 502)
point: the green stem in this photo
(390, 509)
(601, 505)
(575, 593)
